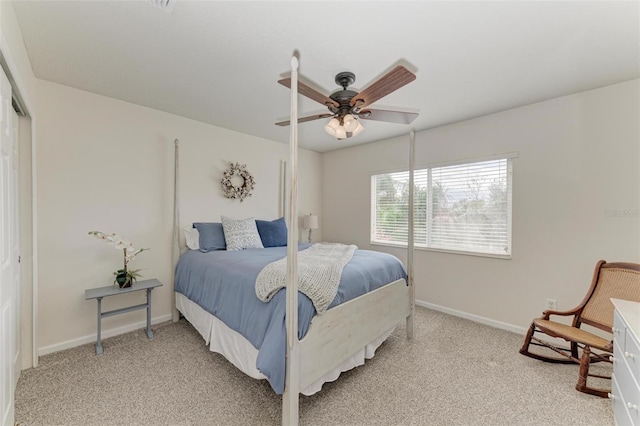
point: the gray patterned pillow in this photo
(241, 234)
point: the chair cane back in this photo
(610, 280)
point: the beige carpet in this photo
(455, 372)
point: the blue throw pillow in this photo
(211, 236)
(274, 233)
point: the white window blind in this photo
(463, 207)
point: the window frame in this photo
(506, 156)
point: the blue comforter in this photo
(223, 284)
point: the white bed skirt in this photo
(241, 353)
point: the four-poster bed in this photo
(338, 339)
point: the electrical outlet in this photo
(551, 304)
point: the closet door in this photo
(9, 325)
(15, 252)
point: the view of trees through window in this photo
(464, 207)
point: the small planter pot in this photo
(123, 279)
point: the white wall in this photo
(579, 155)
(108, 165)
(13, 48)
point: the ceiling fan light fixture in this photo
(332, 127)
(350, 123)
(350, 127)
(359, 128)
(341, 133)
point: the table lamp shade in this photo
(310, 222)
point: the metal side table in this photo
(112, 290)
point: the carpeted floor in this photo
(455, 372)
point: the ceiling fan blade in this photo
(390, 82)
(388, 116)
(305, 119)
(310, 93)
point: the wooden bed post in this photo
(292, 374)
(283, 188)
(410, 242)
(175, 254)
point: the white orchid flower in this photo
(129, 253)
(122, 244)
(99, 235)
(133, 253)
(112, 238)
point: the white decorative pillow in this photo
(192, 238)
(241, 234)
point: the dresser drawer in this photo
(618, 406)
(619, 329)
(625, 383)
(632, 354)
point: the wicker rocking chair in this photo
(610, 280)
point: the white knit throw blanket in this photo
(319, 270)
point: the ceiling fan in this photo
(348, 106)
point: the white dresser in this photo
(625, 381)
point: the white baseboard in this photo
(91, 338)
(473, 317)
(141, 324)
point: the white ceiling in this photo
(218, 61)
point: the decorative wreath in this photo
(241, 191)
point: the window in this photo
(461, 207)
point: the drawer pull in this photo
(615, 330)
(629, 355)
(612, 359)
(611, 396)
(632, 406)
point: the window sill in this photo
(465, 253)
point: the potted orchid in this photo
(124, 277)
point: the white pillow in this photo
(192, 238)
(241, 234)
